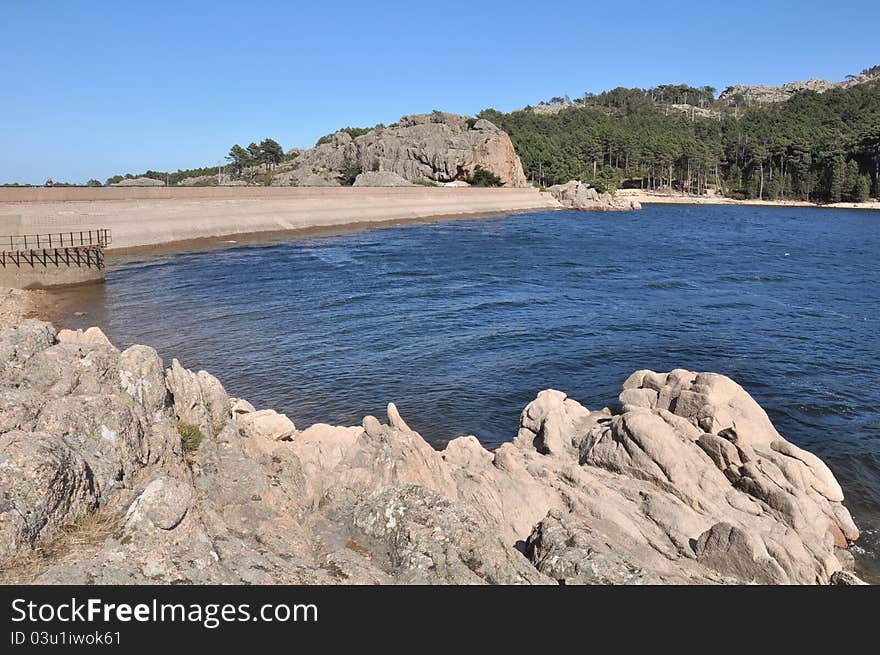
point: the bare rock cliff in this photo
(116, 469)
(438, 147)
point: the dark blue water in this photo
(461, 322)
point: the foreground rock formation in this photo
(578, 195)
(686, 482)
(438, 147)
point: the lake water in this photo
(461, 322)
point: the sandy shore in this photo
(18, 304)
(647, 197)
(143, 217)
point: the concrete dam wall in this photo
(152, 216)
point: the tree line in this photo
(169, 177)
(632, 99)
(819, 147)
(267, 153)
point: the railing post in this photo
(23, 243)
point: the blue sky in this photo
(92, 89)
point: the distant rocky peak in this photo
(767, 94)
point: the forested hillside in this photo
(823, 147)
(822, 143)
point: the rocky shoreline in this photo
(117, 469)
(580, 196)
(18, 304)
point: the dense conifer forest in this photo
(823, 147)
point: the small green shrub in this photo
(190, 435)
(350, 170)
(608, 180)
(484, 178)
(264, 179)
(424, 182)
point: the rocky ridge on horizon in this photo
(687, 481)
(767, 94)
(735, 95)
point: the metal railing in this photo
(82, 239)
(78, 257)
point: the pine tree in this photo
(835, 187)
(271, 151)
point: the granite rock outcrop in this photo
(439, 147)
(685, 481)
